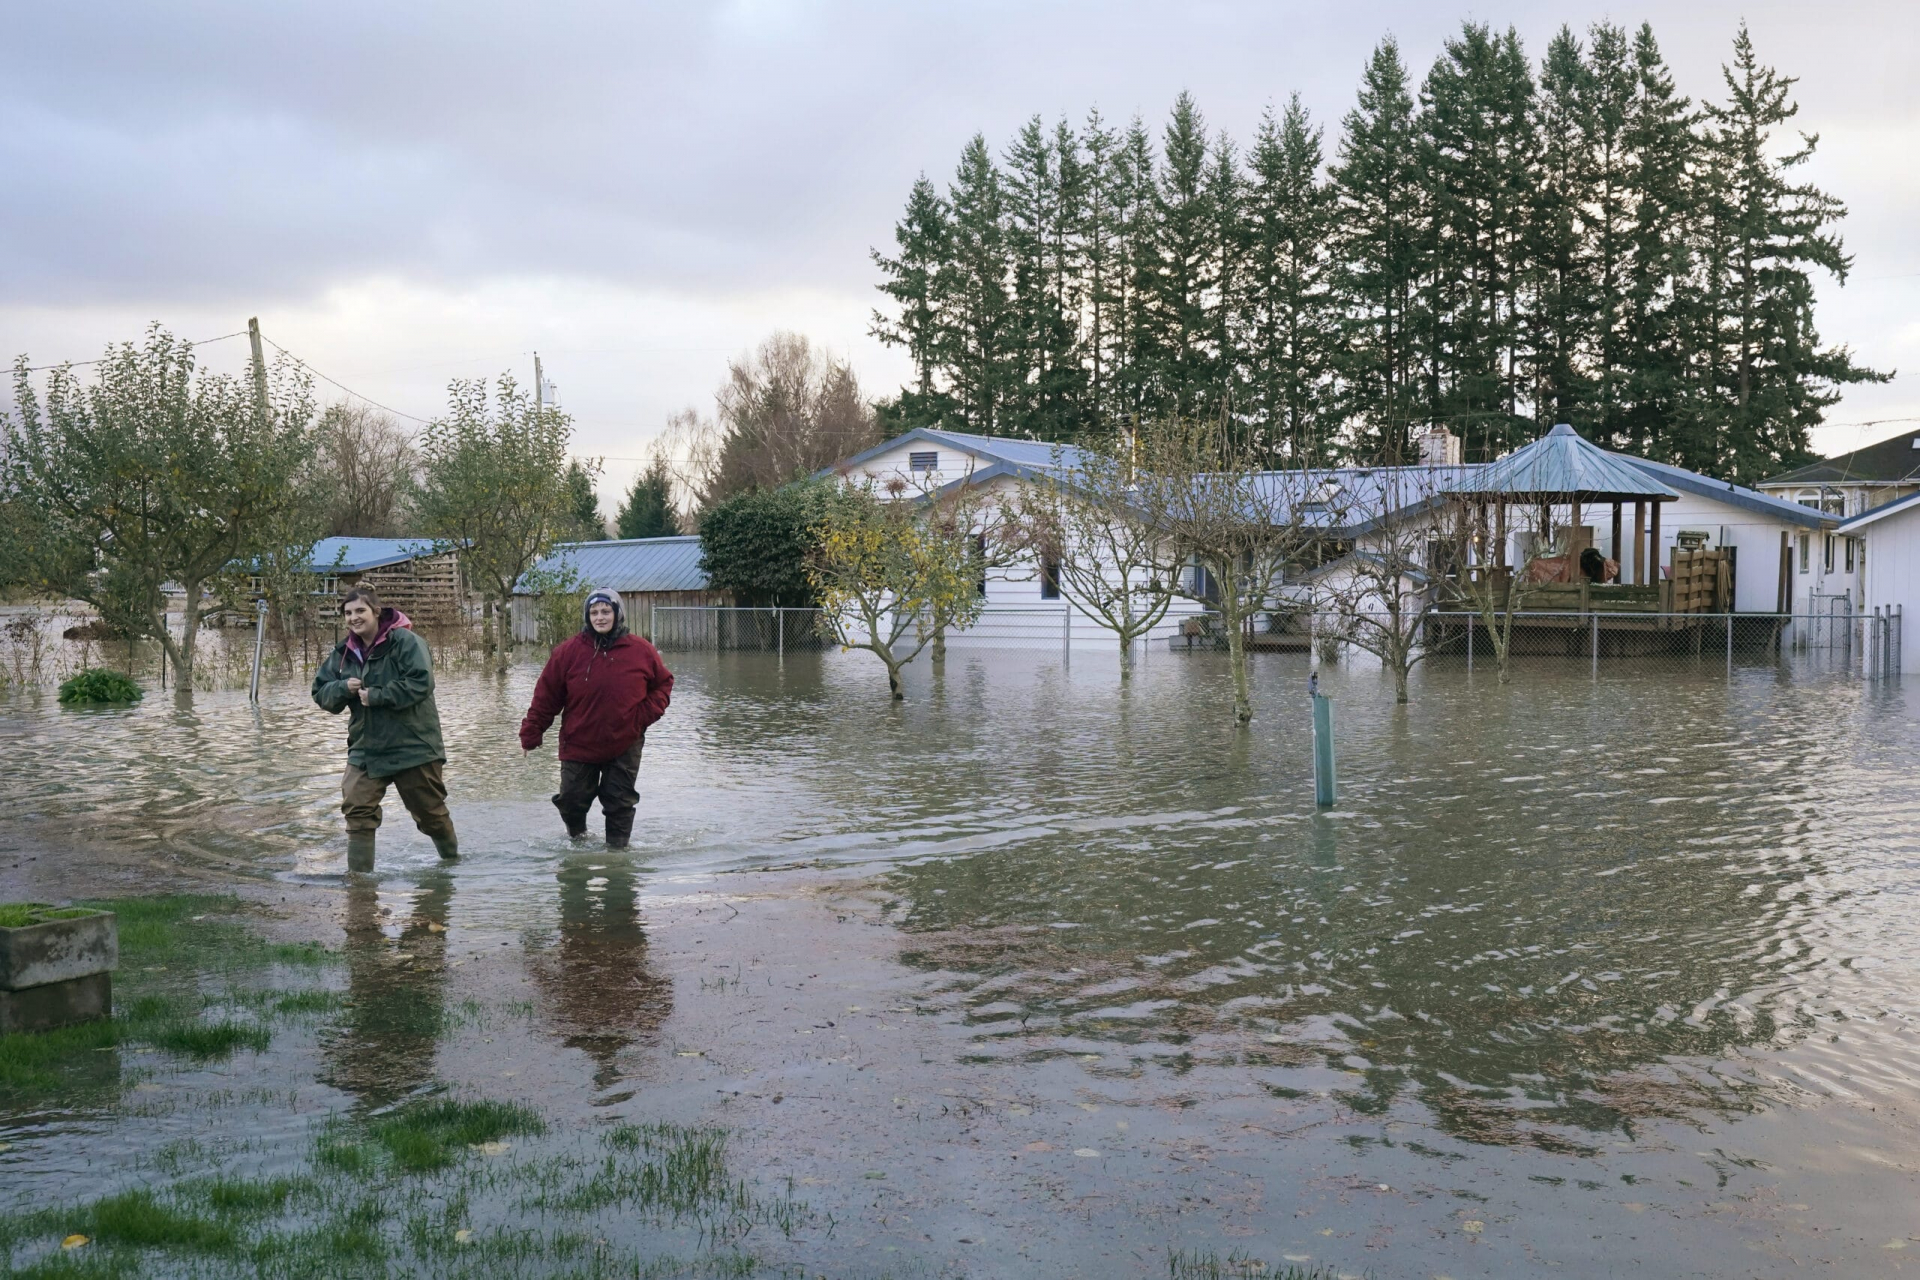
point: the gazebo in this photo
(1562, 469)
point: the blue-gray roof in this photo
(1561, 462)
(1734, 495)
(357, 555)
(632, 564)
(1024, 454)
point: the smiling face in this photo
(360, 618)
(600, 615)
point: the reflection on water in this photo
(386, 1040)
(1544, 910)
(599, 992)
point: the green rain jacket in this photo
(399, 727)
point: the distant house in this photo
(649, 573)
(1890, 568)
(413, 575)
(1851, 484)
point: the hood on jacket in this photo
(390, 618)
(601, 595)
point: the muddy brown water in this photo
(1031, 975)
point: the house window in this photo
(927, 461)
(1848, 543)
(1050, 578)
(1826, 565)
(1806, 552)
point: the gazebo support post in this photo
(1653, 543)
(1614, 546)
(1639, 543)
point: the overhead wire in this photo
(341, 385)
(81, 364)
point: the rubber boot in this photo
(360, 851)
(449, 847)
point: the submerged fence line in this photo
(1867, 644)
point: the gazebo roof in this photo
(1561, 465)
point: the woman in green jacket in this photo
(382, 675)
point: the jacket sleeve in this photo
(329, 690)
(549, 696)
(659, 690)
(413, 676)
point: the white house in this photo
(1890, 568)
(1851, 484)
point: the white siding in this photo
(1893, 577)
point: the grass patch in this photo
(250, 1197)
(204, 1040)
(1205, 1264)
(432, 1134)
(136, 1218)
(20, 915)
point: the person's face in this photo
(361, 619)
(601, 616)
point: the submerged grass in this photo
(1205, 1264)
(429, 1135)
(170, 947)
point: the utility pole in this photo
(539, 385)
(259, 369)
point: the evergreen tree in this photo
(1764, 378)
(583, 505)
(912, 280)
(1561, 315)
(648, 509)
(1043, 198)
(1138, 213)
(1477, 150)
(1289, 325)
(1101, 263)
(1185, 274)
(1225, 388)
(978, 338)
(1379, 219)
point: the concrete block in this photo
(57, 1004)
(36, 955)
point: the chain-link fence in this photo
(1045, 628)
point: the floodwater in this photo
(1582, 978)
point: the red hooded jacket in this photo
(605, 698)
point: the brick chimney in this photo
(1439, 447)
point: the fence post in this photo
(1066, 633)
(259, 644)
(1470, 630)
(1593, 622)
(1729, 644)
(1323, 792)
(780, 631)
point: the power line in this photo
(349, 390)
(81, 364)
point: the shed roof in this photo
(1895, 460)
(630, 564)
(1561, 463)
(1026, 454)
(356, 555)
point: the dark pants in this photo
(611, 783)
(422, 789)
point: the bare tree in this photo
(785, 411)
(1377, 595)
(366, 471)
(1088, 532)
(1495, 549)
(1239, 530)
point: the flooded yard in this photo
(1029, 975)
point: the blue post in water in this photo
(1322, 744)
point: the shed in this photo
(649, 573)
(415, 575)
(1890, 574)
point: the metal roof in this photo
(633, 564)
(1732, 494)
(356, 555)
(1030, 454)
(1562, 463)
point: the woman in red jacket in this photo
(606, 686)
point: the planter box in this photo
(57, 971)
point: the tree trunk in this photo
(1400, 678)
(1237, 659)
(181, 651)
(1126, 658)
(940, 643)
(893, 679)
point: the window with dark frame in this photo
(1849, 544)
(927, 460)
(1050, 577)
(1806, 552)
(1826, 565)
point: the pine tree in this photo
(1288, 319)
(1185, 273)
(1379, 220)
(1225, 385)
(911, 280)
(1477, 150)
(1135, 373)
(1561, 294)
(648, 511)
(1102, 266)
(1041, 194)
(583, 505)
(1766, 379)
(978, 338)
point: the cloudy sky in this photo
(407, 193)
